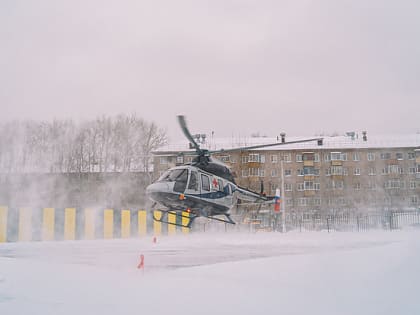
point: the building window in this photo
(224, 158)
(414, 200)
(300, 186)
(189, 159)
(245, 173)
(309, 185)
(371, 186)
(411, 155)
(335, 156)
(385, 156)
(274, 173)
(356, 156)
(413, 185)
(180, 159)
(411, 170)
(302, 201)
(345, 171)
(317, 186)
(308, 157)
(288, 187)
(255, 157)
(327, 157)
(287, 157)
(336, 185)
(392, 169)
(274, 158)
(357, 171)
(336, 170)
(394, 184)
(299, 158)
(299, 172)
(372, 171)
(399, 156)
(371, 156)
(308, 170)
(244, 159)
(316, 157)
(317, 201)
(289, 202)
(287, 172)
(256, 172)
(356, 186)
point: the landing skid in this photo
(164, 218)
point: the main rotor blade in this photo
(259, 146)
(183, 124)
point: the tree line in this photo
(120, 143)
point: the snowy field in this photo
(226, 273)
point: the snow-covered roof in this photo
(329, 142)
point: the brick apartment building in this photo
(351, 173)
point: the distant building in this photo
(355, 172)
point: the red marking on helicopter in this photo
(215, 184)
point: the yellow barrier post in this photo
(185, 221)
(69, 223)
(142, 222)
(108, 223)
(3, 224)
(171, 227)
(157, 226)
(25, 224)
(89, 224)
(48, 220)
(125, 223)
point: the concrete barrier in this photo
(53, 224)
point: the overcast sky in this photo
(232, 66)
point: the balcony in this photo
(308, 163)
(308, 193)
(309, 177)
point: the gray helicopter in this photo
(203, 188)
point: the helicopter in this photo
(205, 187)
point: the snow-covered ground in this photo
(226, 273)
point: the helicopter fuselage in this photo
(190, 187)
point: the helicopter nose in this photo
(157, 188)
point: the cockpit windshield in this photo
(174, 175)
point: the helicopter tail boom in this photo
(248, 195)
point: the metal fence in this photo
(353, 222)
(314, 222)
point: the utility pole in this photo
(282, 197)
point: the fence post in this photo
(390, 221)
(358, 227)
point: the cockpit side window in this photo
(193, 184)
(181, 181)
(205, 182)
